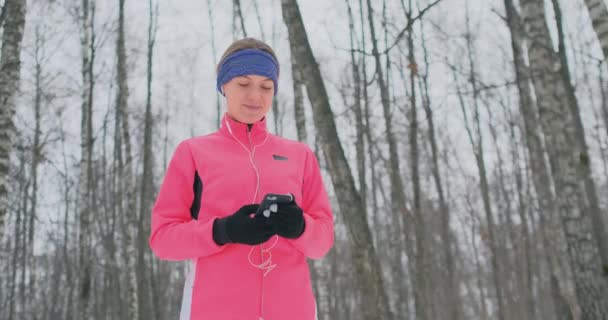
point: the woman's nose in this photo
(255, 94)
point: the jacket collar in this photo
(243, 132)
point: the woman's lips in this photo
(252, 108)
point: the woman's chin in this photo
(253, 115)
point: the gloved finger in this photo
(248, 209)
(284, 217)
(270, 232)
(289, 210)
(282, 224)
(278, 218)
(262, 220)
(265, 234)
(263, 225)
(286, 206)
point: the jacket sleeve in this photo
(174, 234)
(318, 236)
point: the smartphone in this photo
(271, 201)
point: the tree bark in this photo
(364, 257)
(36, 158)
(592, 205)
(360, 142)
(599, 19)
(85, 205)
(238, 14)
(214, 57)
(540, 170)
(134, 284)
(298, 98)
(566, 155)
(146, 191)
(10, 72)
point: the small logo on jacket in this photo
(278, 157)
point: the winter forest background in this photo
(464, 145)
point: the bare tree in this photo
(454, 302)
(259, 18)
(419, 221)
(214, 57)
(364, 256)
(475, 139)
(36, 159)
(134, 285)
(238, 14)
(10, 67)
(358, 109)
(565, 154)
(599, 228)
(397, 193)
(146, 194)
(540, 170)
(86, 185)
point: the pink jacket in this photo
(214, 175)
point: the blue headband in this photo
(246, 62)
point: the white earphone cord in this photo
(265, 265)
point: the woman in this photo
(243, 265)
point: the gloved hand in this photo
(240, 228)
(288, 221)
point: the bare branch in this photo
(409, 25)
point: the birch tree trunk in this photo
(366, 128)
(540, 170)
(87, 41)
(365, 260)
(36, 154)
(147, 194)
(131, 235)
(358, 109)
(565, 154)
(298, 96)
(10, 71)
(592, 205)
(599, 18)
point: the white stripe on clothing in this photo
(188, 288)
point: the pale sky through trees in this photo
(184, 66)
(184, 105)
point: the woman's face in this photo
(249, 97)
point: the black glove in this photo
(240, 228)
(288, 221)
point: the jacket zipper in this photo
(261, 253)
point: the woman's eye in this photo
(243, 84)
(266, 88)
